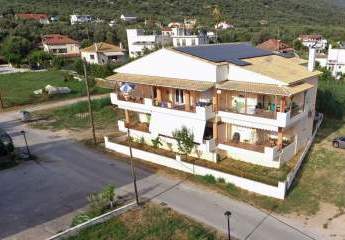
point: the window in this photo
(92, 57)
(178, 42)
(183, 42)
(179, 96)
(193, 42)
(62, 50)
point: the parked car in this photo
(339, 142)
(6, 143)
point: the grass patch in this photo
(321, 178)
(76, 116)
(17, 88)
(150, 222)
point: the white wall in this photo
(237, 73)
(71, 48)
(250, 185)
(179, 41)
(168, 63)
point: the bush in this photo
(80, 218)
(156, 142)
(209, 179)
(221, 180)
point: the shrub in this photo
(209, 179)
(185, 140)
(156, 142)
(142, 140)
(221, 180)
(80, 218)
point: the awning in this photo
(192, 85)
(267, 89)
(165, 124)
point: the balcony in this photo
(149, 105)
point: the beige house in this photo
(238, 101)
(60, 45)
(102, 53)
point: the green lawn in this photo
(152, 222)
(76, 116)
(321, 178)
(17, 88)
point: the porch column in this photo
(159, 94)
(187, 100)
(283, 104)
(215, 130)
(280, 138)
(171, 97)
(192, 98)
(216, 100)
(245, 102)
(127, 118)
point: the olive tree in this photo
(185, 140)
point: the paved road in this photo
(33, 194)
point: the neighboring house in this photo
(314, 40)
(75, 19)
(277, 46)
(189, 23)
(175, 25)
(223, 26)
(128, 18)
(138, 41)
(335, 61)
(183, 37)
(239, 102)
(39, 17)
(60, 45)
(102, 53)
(190, 40)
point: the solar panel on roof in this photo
(232, 52)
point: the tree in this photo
(185, 140)
(15, 49)
(217, 15)
(39, 58)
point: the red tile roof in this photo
(32, 16)
(310, 37)
(275, 45)
(57, 39)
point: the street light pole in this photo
(1, 102)
(90, 107)
(132, 167)
(26, 144)
(228, 214)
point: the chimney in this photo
(96, 47)
(311, 60)
(121, 46)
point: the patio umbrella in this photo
(126, 88)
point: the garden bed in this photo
(265, 175)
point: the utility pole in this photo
(90, 107)
(132, 167)
(1, 103)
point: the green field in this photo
(148, 223)
(17, 88)
(76, 116)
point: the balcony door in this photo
(179, 97)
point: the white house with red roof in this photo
(39, 17)
(60, 45)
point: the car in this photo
(339, 142)
(6, 143)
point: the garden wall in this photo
(250, 185)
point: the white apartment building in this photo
(102, 53)
(316, 41)
(336, 61)
(239, 102)
(60, 45)
(138, 41)
(128, 18)
(75, 19)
